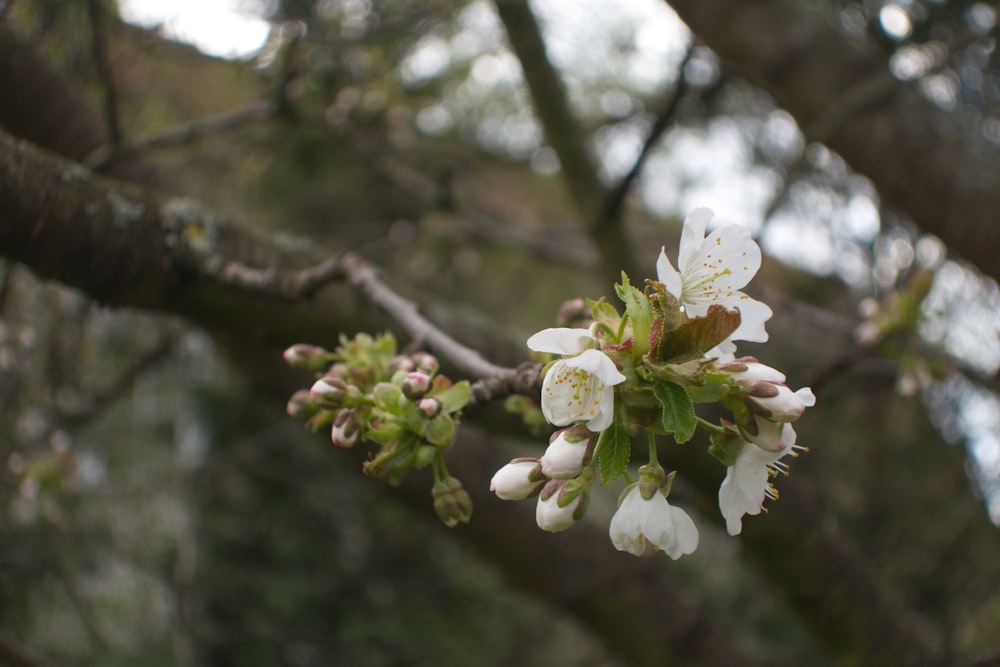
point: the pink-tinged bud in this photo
(416, 385)
(568, 452)
(346, 428)
(301, 404)
(429, 407)
(574, 313)
(780, 404)
(451, 502)
(401, 363)
(519, 479)
(329, 392)
(426, 362)
(309, 357)
(560, 505)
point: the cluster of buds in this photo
(645, 369)
(365, 391)
(561, 478)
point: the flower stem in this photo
(651, 437)
(709, 426)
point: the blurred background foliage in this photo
(158, 507)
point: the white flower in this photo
(643, 527)
(712, 271)
(519, 479)
(579, 388)
(748, 484)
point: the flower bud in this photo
(429, 407)
(777, 402)
(346, 428)
(309, 357)
(747, 371)
(574, 313)
(562, 503)
(425, 362)
(301, 404)
(329, 392)
(519, 479)
(568, 452)
(416, 385)
(401, 362)
(451, 502)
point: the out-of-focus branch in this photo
(183, 133)
(616, 200)
(98, 39)
(563, 132)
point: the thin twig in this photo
(616, 200)
(281, 284)
(361, 275)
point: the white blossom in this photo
(517, 480)
(643, 527)
(580, 387)
(713, 269)
(748, 482)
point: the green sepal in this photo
(604, 314)
(614, 449)
(639, 311)
(726, 446)
(678, 411)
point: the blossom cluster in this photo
(674, 346)
(366, 392)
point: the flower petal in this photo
(668, 275)
(753, 315)
(598, 364)
(561, 340)
(685, 534)
(692, 237)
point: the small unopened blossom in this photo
(452, 503)
(429, 407)
(646, 523)
(301, 404)
(579, 388)
(568, 452)
(712, 270)
(329, 392)
(765, 390)
(748, 482)
(346, 428)
(777, 402)
(401, 362)
(519, 479)
(308, 357)
(425, 362)
(416, 384)
(562, 503)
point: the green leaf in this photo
(639, 311)
(454, 397)
(678, 411)
(614, 449)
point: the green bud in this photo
(451, 502)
